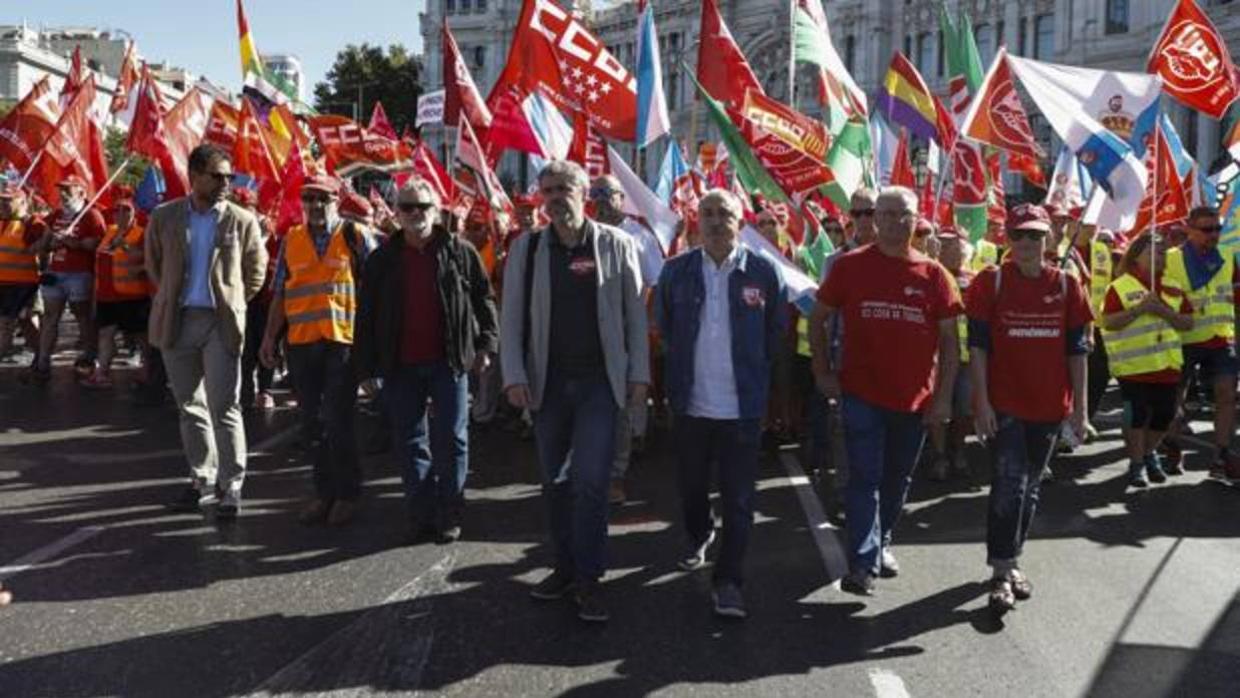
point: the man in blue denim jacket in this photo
(721, 312)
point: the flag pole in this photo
(33, 164)
(792, 54)
(945, 162)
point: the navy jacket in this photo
(759, 318)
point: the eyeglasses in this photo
(1034, 235)
(1210, 229)
(411, 206)
(602, 193)
(859, 212)
(316, 200)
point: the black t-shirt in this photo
(575, 348)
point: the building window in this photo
(480, 56)
(850, 52)
(1117, 16)
(1044, 36)
(984, 36)
(449, 7)
(1022, 28)
(939, 69)
(925, 52)
(908, 46)
(465, 7)
(480, 6)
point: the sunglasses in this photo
(411, 206)
(1035, 235)
(859, 212)
(1210, 229)
(602, 193)
(316, 200)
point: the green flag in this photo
(965, 74)
(847, 159)
(811, 43)
(752, 175)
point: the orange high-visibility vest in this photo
(319, 298)
(17, 262)
(128, 273)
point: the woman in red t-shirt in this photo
(1141, 330)
(1027, 322)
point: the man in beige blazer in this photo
(206, 257)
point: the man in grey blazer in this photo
(573, 350)
(207, 259)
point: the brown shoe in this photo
(615, 493)
(342, 513)
(314, 512)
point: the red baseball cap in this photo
(72, 181)
(354, 204)
(322, 183)
(1029, 217)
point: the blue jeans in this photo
(433, 467)
(577, 417)
(326, 395)
(882, 447)
(1018, 453)
(733, 446)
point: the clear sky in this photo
(201, 35)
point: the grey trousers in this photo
(206, 379)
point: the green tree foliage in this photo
(391, 78)
(114, 150)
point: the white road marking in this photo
(30, 560)
(386, 645)
(826, 537)
(887, 684)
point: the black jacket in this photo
(464, 292)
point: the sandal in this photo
(1022, 588)
(1002, 599)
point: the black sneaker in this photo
(227, 511)
(729, 602)
(553, 586)
(1136, 475)
(1153, 468)
(190, 501)
(858, 583)
(888, 565)
(590, 606)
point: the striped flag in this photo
(652, 118)
(905, 99)
(253, 73)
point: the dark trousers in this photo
(1018, 453)
(1099, 370)
(578, 417)
(731, 447)
(255, 326)
(433, 462)
(326, 395)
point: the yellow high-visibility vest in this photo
(1149, 344)
(986, 254)
(1214, 313)
(320, 301)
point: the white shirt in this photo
(649, 254)
(713, 393)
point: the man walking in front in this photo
(206, 258)
(900, 310)
(722, 313)
(573, 350)
(426, 318)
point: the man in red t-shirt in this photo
(70, 240)
(1027, 321)
(900, 308)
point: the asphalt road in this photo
(1136, 594)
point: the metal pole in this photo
(95, 199)
(30, 170)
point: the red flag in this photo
(74, 80)
(587, 149)
(902, 174)
(553, 53)
(1028, 168)
(251, 154)
(350, 147)
(379, 122)
(460, 92)
(1192, 59)
(427, 166)
(222, 125)
(997, 117)
(997, 208)
(1172, 199)
(184, 126)
(76, 147)
(946, 124)
(926, 201)
(509, 126)
(146, 130)
(474, 174)
(294, 174)
(29, 125)
(125, 83)
(721, 67)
